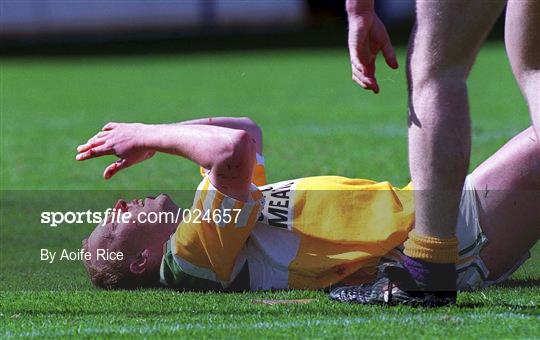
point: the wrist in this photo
(147, 136)
(357, 7)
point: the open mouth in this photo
(121, 205)
(137, 202)
(147, 199)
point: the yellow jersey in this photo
(306, 233)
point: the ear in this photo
(139, 265)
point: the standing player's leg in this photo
(507, 187)
(522, 38)
(508, 191)
(447, 37)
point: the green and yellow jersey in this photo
(306, 233)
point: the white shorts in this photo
(472, 272)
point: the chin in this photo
(165, 231)
(172, 228)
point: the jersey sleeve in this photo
(259, 172)
(208, 248)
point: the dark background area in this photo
(323, 25)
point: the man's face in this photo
(129, 231)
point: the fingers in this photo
(101, 134)
(366, 83)
(96, 140)
(92, 143)
(358, 41)
(112, 169)
(109, 126)
(355, 60)
(374, 86)
(94, 152)
(365, 78)
(390, 55)
(363, 68)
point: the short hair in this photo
(111, 274)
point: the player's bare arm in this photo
(228, 153)
(367, 37)
(238, 123)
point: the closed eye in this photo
(108, 235)
(109, 227)
(108, 231)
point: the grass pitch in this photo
(315, 122)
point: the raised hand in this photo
(368, 36)
(125, 140)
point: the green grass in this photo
(315, 121)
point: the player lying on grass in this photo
(307, 233)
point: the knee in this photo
(437, 88)
(526, 75)
(524, 56)
(430, 63)
(425, 75)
